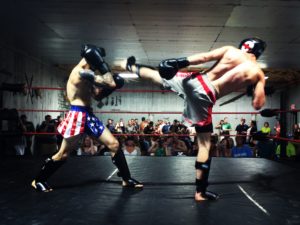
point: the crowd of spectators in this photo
(160, 138)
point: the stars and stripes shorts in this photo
(79, 120)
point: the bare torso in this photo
(234, 71)
(79, 90)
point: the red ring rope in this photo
(167, 135)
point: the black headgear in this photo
(255, 46)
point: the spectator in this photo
(143, 124)
(250, 132)
(131, 128)
(27, 126)
(290, 151)
(110, 126)
(264, 147)
(149, 129)
(59, 137)
(19, 140)
(46, 144)
(241, 149)
(277, 129)
(174, 128)
(219, 127)
(175, 147)
(130, 149)
(225, 146)
(166, 128)
(87, 147)
(226, 127)
(157, 148)
(136, 125)
(296, 131)
(266, 129)
(241, 129)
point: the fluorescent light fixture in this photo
(128, 75)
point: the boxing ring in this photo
(87, 190)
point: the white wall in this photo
(19, 64)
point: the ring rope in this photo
(169, 135)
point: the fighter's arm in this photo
(259, 97)
(169, 67)
(105, 80)
(204, 57)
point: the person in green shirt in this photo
(290, 150)
(266, 128)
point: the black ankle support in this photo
(120, 161)
(49, 167)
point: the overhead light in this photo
(263, 65)
(128, 75)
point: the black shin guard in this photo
(120, 161)
(139, 66)
(202, 183)
(48, 169)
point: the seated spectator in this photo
(264, 147)
(266, 128)
(157, 148)
(241, 149)
(225, 146)
(87, 148)
(175, 147)
(290, 151)
(130, 148)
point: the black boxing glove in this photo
(269, 112)
(169, 67)
(94, 57)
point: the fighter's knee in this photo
(60, 156)
(113, 146)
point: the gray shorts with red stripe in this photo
(199, 97)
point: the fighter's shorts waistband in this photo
(79, 108)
